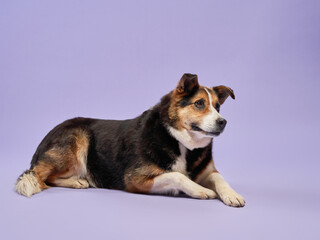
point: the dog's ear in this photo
(188, 84)
(223, 93)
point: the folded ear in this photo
(223, 93)
(188, 84)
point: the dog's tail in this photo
(29, 183)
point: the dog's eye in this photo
(199, 104)
(217, 107)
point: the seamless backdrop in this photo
(115, 59)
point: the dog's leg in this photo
(71, 182)
(175, 182)
(215, 181)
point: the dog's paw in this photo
(81, 183)
(203, 193)
(231, 198)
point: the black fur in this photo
(205, 154)
(116, 147)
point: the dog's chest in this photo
(180, 164)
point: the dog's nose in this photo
(221, 122)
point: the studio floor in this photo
(275, 209)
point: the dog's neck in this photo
(189, 139)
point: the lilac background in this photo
(114, 59)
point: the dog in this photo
(165, 150)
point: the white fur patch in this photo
(28, 185)
(208, 121)
(190, 139)
(180, 165)
(174, 182)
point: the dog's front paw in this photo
(231, 198)
(203, 193)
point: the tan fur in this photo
(82, 141)
(72, 182)
(141, 179)
(173, 109)
(60, 166)
(42, 171)
(206, 171)
(184, 116)
(65, 167)
(69, 162)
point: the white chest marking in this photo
(180, 164)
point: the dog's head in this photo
(195, 108)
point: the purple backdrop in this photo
(114, 59)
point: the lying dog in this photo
(167, 149)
